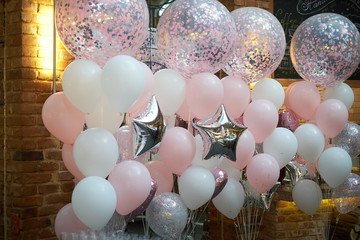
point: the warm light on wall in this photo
(45, 43)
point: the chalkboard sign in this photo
(291, 13)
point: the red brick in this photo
(27, 201)
(297, 233)
(36, 223)
(297, 217)
(22, 191)
(48, 188)
(28, 212)
(24, 178)
(285, 226)
(21, 120)
(306, 224)
(67, 187)
(21, 74)
(23, 144)
(46, 233)
(28, 6)
(65, 176)
(54, 155)
(46, 143)
(48, 210)
(58, 198)
(29, 108)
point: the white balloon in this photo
(311, 142)
(269, 89)
(196, 186)
(334, 166)
(307, 196)
(342, 92)
(123, 82)
(104, 116)
(95, 152)
(94, 201)
(81, 84)
(169, 90)
(231, 199)
(209, 164)
(282, 145)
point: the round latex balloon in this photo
(94, 201)
(167, 215)
(231, 199)
(96, 152)
(162, 175)
(346, 196)
(195, 36)
(334, 166)
(307, 196)
(101, 29)
(196, 186)
(342, 92)
(311, 142)
(66, 221)
(325, 49)
(269, 89)
(349, 139)
(259, 47)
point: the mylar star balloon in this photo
(220, 134)
(149, 128)
(254, 199)
(266, 197)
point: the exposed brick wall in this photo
(37, 183)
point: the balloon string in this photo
(261, 220)
(336, 224)
(249, 224)
(316, 227)
(198, 219)
(255, 222)
(243, 221)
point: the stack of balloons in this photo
(226, 120)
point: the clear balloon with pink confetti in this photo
(195, 36)
(325, 49)
(260, 44)
(101, 29)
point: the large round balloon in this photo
(260, 44)
(195, 36)
(167, 215)
(325, 49)
(346, 196)
(101, 29)
(349, 139)
(307, 196)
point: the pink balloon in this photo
(204, 94)
(67, 221)
(132, 183)
(162, 175)
(261, 118)
(144, 100)
(236, 96)
(68, 158)
(303, 98)
(263, 172)
(177, 149)
(331, 117)
(245, 149)
(62, 119)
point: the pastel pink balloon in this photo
(262, 172)
(331, 117)
(287, 91)
(62, 119)
(162, 175)
(261, 118)
(67, 221)
(245, 149)
(68, 158)
(177, 149)
(132, 183)
(143, 101)
(303, 98)
(236, 95)
(204, 94)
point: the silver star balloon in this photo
(149, 128)
(220, 134)
(296, 171)
(254, 199)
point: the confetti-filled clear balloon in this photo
(167, 215)
(101, 29)
(195, 36)
(260, 44)
(325, 49)
(346, 196)
(349, 139)
(149, 53)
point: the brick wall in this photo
(37, 183)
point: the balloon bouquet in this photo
(215, 158)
